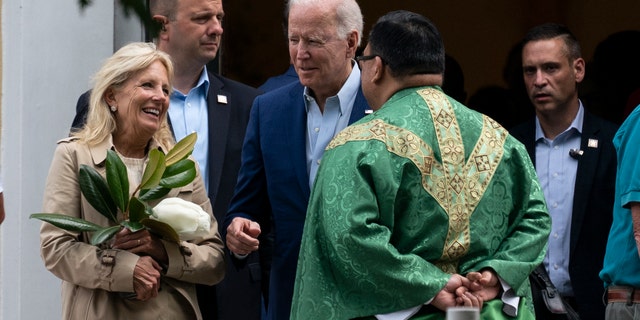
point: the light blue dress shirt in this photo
(322, 127)
(557, 174)
(188, 113)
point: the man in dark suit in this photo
(288, 131)
(576, 164)
(218, 109)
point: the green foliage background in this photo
(138, 8)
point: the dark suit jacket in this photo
(273, 182)
(280, 80)
(592, 211)
(238, 296)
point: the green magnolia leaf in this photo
(179, 174)
(154, 170)
(137, 210)
(97, 193)
(182, 149)
(152, 194)
(104, 234)
(117, 180)
(133, 226)
(66, 222)
(166, 231)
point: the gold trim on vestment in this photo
(455, 183)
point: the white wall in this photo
(50, 51)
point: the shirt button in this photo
(318, 161)
(555, 148)
(316, 129)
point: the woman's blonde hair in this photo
(116, 70)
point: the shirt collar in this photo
(576, 124)
(203, 83)
(347, 93)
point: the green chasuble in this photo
(405, 197)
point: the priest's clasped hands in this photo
(470, 291)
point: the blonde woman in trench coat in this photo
(139, 276)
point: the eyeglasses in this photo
(365, 58)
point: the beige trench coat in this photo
(94, 278)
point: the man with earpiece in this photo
(575, 161)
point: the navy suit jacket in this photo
(592, 209)
(273, 182)
(239, 295)
(280, 80)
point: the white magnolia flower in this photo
(187, 218)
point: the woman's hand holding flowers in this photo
(142, 243)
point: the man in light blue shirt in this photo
(287, 133)
(217, 109)
(575, 161)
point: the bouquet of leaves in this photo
(161, 174)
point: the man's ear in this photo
(379, 70)
(352, 44)
(579, 67)
(161, 22)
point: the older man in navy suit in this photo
(576, 163)
(288, 131)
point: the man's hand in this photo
(470, 291)
(447, 296)
(146, 278)
(484, 284)
(242, 236)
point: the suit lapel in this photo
(587, 164)
(360, 106)
(218, 122)
(296, 125)
(529, 139)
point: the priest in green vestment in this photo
(422, 205)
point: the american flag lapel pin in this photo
(592, 143)
(222, 99)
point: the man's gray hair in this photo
(348, 14)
